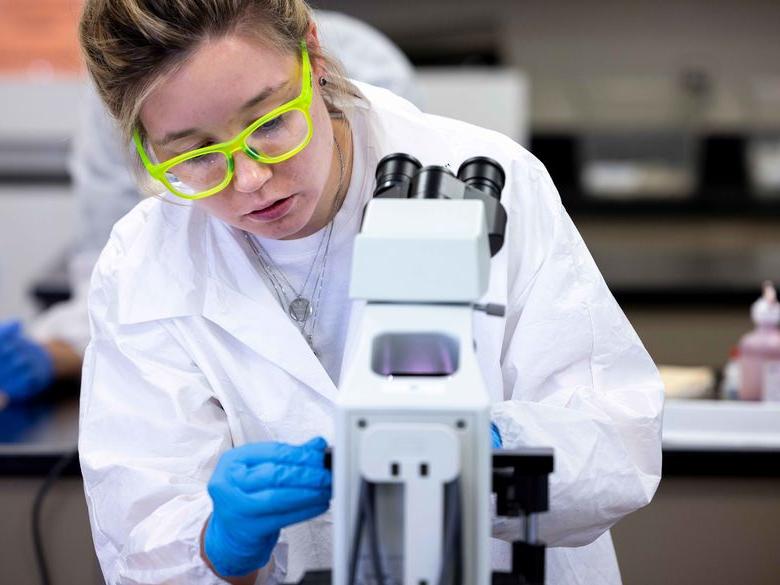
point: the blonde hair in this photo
(130, 45)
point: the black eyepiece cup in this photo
(395, 169)
(484, 174)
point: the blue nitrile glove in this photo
(495, 437)
(26, 367)
(257, 490)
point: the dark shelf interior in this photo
(723, 184)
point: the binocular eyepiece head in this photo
(401, 176)
(400, 169)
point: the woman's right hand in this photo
(257, 490)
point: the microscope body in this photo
(412, 436)
(412, 457)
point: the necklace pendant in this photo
(300, 310)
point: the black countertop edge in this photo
(664, 297)
(658, 296)
(676, 463)
(37, 464)
(689, 463)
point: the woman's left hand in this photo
(495, 437)
(26, 368)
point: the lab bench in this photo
(713, 520)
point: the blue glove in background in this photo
(495, 437)
(257, 490)
(26, 367)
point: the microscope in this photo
(412, 460)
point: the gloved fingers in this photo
(269, 475)
(495, 437)
(10, 329)
(19, 387)
(9, 347)
(310, 454)
(13, 370)
(15, 361)
(284, 520)
(270, 503)
(20, 375)
(317, 443)
(22, 386)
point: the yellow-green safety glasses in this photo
(276, 137)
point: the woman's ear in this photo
(314, 47)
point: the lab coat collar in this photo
(265, 328)
(201, 267)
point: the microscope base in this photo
(324, 578)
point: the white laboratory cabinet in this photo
(37, 212)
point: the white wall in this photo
(559, 42)
(494, 98)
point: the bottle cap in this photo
(766, 310)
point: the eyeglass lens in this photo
(276, 137)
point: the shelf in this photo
(723, 191)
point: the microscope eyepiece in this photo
(431, 183)
(484, 174)
(395, 169)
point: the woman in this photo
(104, 191)
(219, 322)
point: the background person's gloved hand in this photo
(495, 437)
(257, 490)
(26, 367)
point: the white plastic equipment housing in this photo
(440, 254)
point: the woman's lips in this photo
(273, 211)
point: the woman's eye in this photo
(204, 159)
(271, 125)
(178, 152)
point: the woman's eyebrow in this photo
(263, 95)
(173, 136)
(259, 98)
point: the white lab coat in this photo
(105, 189)
(191, 354)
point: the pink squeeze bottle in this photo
(759, 350)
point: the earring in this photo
(323, 82)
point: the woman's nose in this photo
(249, 176)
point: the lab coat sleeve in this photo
(67, 321)
(150, 435)
(575, 374)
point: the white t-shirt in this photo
(294, 257)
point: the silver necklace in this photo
(300, 309)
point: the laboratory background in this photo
(659, 123)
